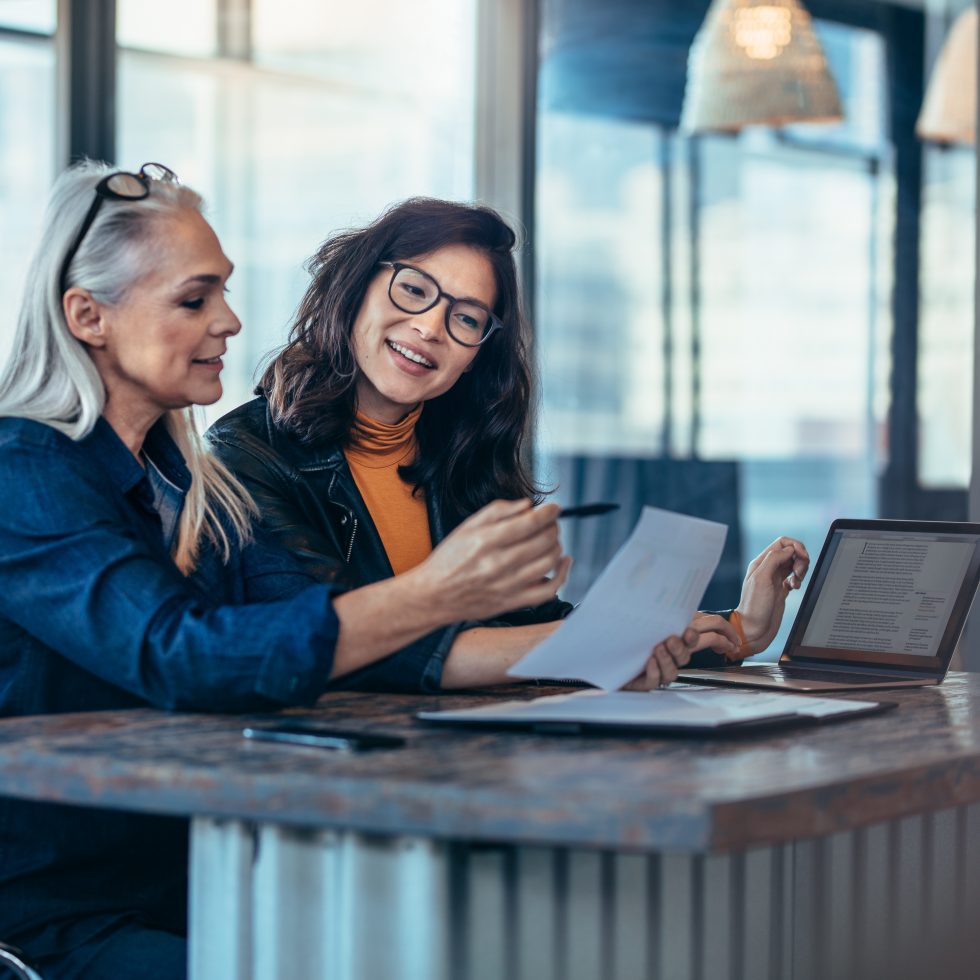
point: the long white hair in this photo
(50, 377)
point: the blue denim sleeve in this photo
(76, 578)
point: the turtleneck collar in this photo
(376, 444)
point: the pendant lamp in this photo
(949, 109)
(757, 62)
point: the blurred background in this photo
(750, 226)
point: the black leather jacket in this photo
(307, 497)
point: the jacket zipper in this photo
(353, 531)
(353, 519)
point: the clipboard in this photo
(679, 710)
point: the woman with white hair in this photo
(129, 572)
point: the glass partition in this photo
(727, 322)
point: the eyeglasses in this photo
(119, 186)
(413, 291)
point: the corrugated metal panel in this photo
(220, 899)
(894, 900)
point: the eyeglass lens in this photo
(134, 186)
(415, 292)
(157, 171)
(126, 185)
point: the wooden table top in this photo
(683, 794)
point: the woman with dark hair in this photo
(470, 435)
(399, 406)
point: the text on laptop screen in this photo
(887, 593)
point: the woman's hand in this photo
(665, 661)
(716, 633)
(705, 630)
(505, 556)
(770, 578)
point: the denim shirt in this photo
(95, 615)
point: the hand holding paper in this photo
(648, 591)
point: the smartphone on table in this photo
(322, 736)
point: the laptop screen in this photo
(889, 594)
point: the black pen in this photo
(587, 510)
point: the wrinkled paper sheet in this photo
(649, 590)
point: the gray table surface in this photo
(677, 794)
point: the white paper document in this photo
(648, 591)
(678, 707)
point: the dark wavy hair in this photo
(471, 437)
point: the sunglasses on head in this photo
(118, 186)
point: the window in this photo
(35, 16)
(333, 112)
(946, 318)
(718, 311)
(27, 155)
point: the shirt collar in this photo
(123, 467)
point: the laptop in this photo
(885, 607)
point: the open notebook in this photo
(678, 709)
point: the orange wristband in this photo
(742, 650)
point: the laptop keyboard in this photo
(834, 676)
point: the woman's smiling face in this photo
(407, 358)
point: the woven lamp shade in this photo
(757, 62)
(949, 110)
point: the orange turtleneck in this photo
(376, 451)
